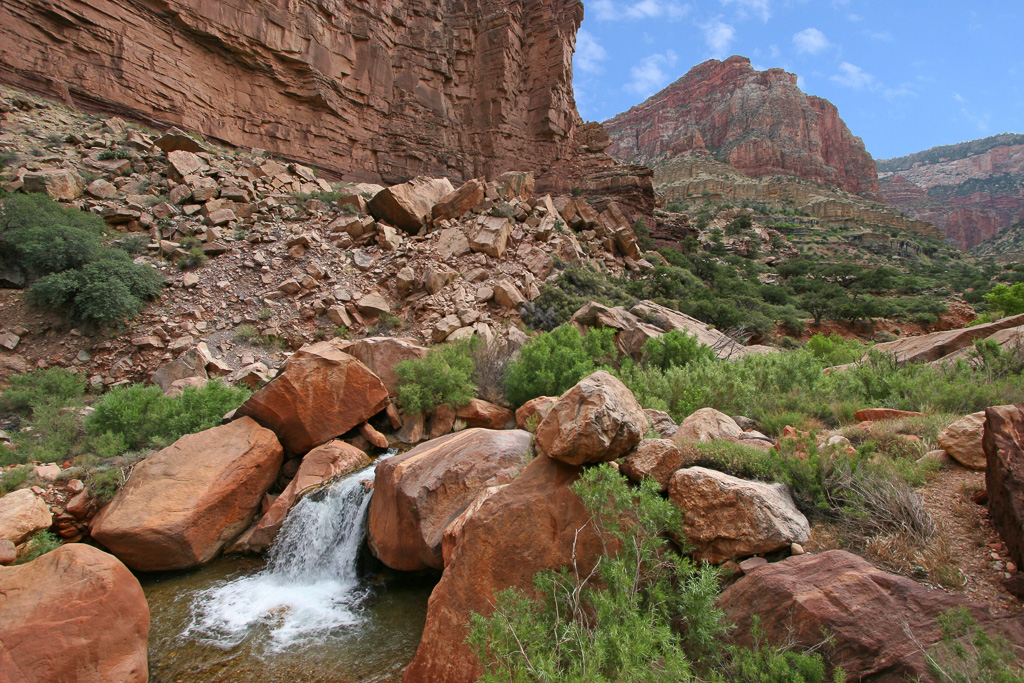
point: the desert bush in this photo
(195, 258)
(45, 237)
(141, 416)
(12, 479)
(490, 366)
(31, 390)
(833, 349)
(967, 654)
(1008, 299)
(675, 349)
(552, 362)
(443, 377)
(40, 544)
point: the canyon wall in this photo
(759, 122)
(373, 90)
(972, 190)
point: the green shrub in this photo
(115, 153)
(552, 362)
(55, 434)
(12, 479)
(443, 377)
(195, 258)
(104, 483)
(675, 348)
(967, 654)
(834, 350)
(40, 544)
(141, 416)
(1006, 298)
(45, 237)
(31, 390)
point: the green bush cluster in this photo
(76, 272)
(443, 377)
(552, 362)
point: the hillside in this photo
(972, 191)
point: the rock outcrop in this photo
(1004, 475)
(321, 394)
(375, 90)
(882, 624)
(529, 525)
(972, 190)
(937, 345)
(759, 122)
(418, 494)
(184, 504)
(22, 514)
(706, 424)
(73, 614)
(962, 440)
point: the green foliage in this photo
(575, 287)
(1006, 298)
(739, 225)
(115, 153)
(835, 350)
(552, 362)
(40, 544)
(675, 349)
(104, 482)
(643, 234)
(141, 416)
(967, 654)
(30, 391)
(195, 258)
(443, 377)
(46, 237)
(12, 479)
(577, 191)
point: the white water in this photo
(308, 588)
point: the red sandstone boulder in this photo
(658, 459)
(419, 493)
(1004, 475)
(598, 420)
(75, 614)
(382, 354)
(962, 440)
(459, 202)
(529, 525)
(321, 465)
(880, 414)
(408, 205)
(931, 347)
(725, 517)
(22, 514)
(880, 622)
(322, 393)
(453, 535)
(707, 424)
(183, 505)
(480, 413)
(57, 183)
(539, 406)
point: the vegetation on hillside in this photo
(961, 150)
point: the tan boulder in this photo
(880, 624)
(480, 413)
(534, 410)
(657, 459)
(707, 424)
(962, 440)
(931, 347)
(320, 466)
(58, 184)
(491, 236)
(515, 185)
(191, 364)
(661, 422)
(382, 354)
(452, 242)
(373, 304)
(8, 552)
(185, 504)
(185, 163)
(75, 614)
(507, 294)
(321, 393)
(534, 523)
(408, 205)
(668, 319)
(725, 517)
(22, 514)
(459, 202)
(597, 420)
(419, 493)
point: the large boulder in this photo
(657, 459)
(725, 517)
(382, 354)
(322, 393)
(595, 421)
(75, 614)
(491, 236)
(931, 347)
(534, 523)
(184, 504)
(531, 413)
(668, 319)
(880, 624)
(459, 202)
(480, 413)
(22, 514)
(408, 205)
(191, 364)
(60, 183)
(419, 493)
(321, 465)
(1004, 475)
(962, 440)
(707, 424)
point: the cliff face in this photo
(972, 191)
(372, 89)
(759, 122)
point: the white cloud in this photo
(719, 37)
(810, 40)
(607, 10)
(589, 53)
(651, 74)
(853, 76)
(759, 8)
(881, 36)
(959, 98)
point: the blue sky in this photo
(906, 74)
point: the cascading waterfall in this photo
(309, 585)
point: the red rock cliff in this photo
(373, 89)
(972, 190)
(757, 121)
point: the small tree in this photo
(551, 363)
(443, 377)
(1006, 298)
